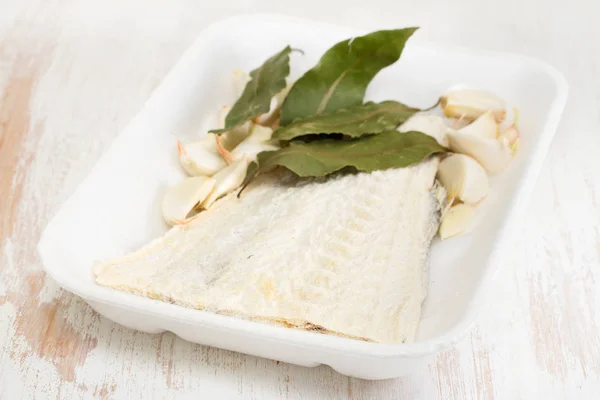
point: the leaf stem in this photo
(434, 106)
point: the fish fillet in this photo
(344, 255)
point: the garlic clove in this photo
(234, 137)
(201, 158)
(431, 125)
(227, 180)
(493, 154)
(181, 198)
(256, 142)
(463, 178)
(231, 138)
(471, 104)
(269, 118)
(511, 119)
(513, 136)
(222, 114)
(226, 154)
(457, 220)
(240, 79)
(484, 126)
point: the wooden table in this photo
(73, 73)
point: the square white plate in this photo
(116, 208)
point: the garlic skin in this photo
(463, 178)
(431, 125)
(493, 154)
(485, 126)
(457, 220)
(227, 180)
(256, 142)
(472, 104)
(180, 199)
(201, 158)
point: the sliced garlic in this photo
(201, 158)
(484, 126)
(471, 104)
(463, 178)
(457, 220)
(227, 180)
(182, 198)
(493, 154)
(431, 125)
(255, 143)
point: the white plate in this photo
(116, 208)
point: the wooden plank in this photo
(74, 72)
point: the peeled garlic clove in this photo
(269, 118)
(222, 114)
(484, 126)
(512, 136)
(256, 142)
(252, 149)
(180, 199)
(227, 180)
(200, 158)
(493, 154)
(457, 220)
(511, 119)
(431, 125)
(234, 137)
(471, 104)
(463, 178)
(240, 79)
(226, 154)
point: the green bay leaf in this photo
(266, 81)
(389, 149)
(341, 77)
(353, 121)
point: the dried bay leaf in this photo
(341, 77)
(389, 149)
(266, 81)
(353, 121)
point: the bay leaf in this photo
(353, 121)
(389, 149)
(266, 81)
(341, 76)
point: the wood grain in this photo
(74, 72)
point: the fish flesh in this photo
(343, 255)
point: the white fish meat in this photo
(343, 255)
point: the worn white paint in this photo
(72, 74)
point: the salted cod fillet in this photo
(344, 255)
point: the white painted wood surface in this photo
(73, 73)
